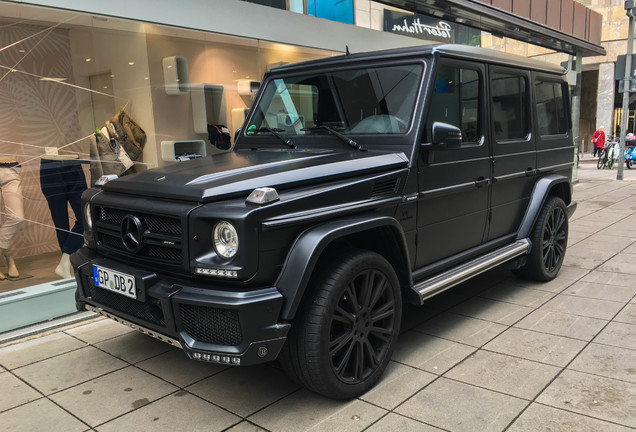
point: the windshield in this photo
(370, 100)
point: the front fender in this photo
(542, 189)
(308, 247)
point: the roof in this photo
(445, 50)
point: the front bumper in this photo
(209, 323)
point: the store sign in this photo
(419, 26)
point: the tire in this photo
(599, 164)
(344, 333)
(610, 163)
(549, 239)
(629, 163)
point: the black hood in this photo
(238, 173)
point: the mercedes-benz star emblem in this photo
(132, 233)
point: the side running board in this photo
(448, 279)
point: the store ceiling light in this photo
(88, 59)
(131, 63)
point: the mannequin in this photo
(11, 189)
(62, 180)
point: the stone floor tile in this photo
(583, 262)
(429, 353)
(179, 411)
(40, 415)
(599, 253)
(621, 263)
(619, 335)
(511, 375)
(610, 244)
(607, 361)
(414, 315)
(593, 308)
(395, 422)
(519, 295)
(566, 273)
(99, 331)
(600, 291)
(14, 392)
(134, 347)
(246, 426)
(463, 329)
(397, 384)
(575, 237)
(31, 351)
(540, 347)
(492, 310)
(541, 418)
(307, 411)
(627, 315)
(66, 370)
(460, 407)
(606, 278)
(176, 368)
(110, 396)
(228, 389)
(631, 249)
(562, 324)
(603, 398)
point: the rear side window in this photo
(510, 106)
(551, 111)
(457, 100)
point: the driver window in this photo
(456, 100)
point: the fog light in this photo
(196, 356)
(206, 357)
(236, 360)
(225, 359)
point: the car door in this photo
(453, 184)
(513, 146)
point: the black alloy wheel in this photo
(549, 239)
(344, 334)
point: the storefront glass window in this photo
(83, 96)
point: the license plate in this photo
(121, 283)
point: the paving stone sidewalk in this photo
(493, 354)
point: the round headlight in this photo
(225, 239)
(87, 216)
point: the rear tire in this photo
(344, 333)
(599, 164)
(629, 163)
(549, 242)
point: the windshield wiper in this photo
(274, 131)
(345, 139)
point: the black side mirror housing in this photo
(446, 136)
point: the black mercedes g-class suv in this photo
(356, 183)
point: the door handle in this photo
(480, 182)
(530, 171)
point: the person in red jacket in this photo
(599, 142)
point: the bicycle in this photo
(606, 159)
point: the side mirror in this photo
(446, 136)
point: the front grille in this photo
(148, 311)
(162, 238)
(211, 325)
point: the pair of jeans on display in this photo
(62, 183)
(11, 189)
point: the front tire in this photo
(549, 242)
(344, 333)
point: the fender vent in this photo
(385, 187)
